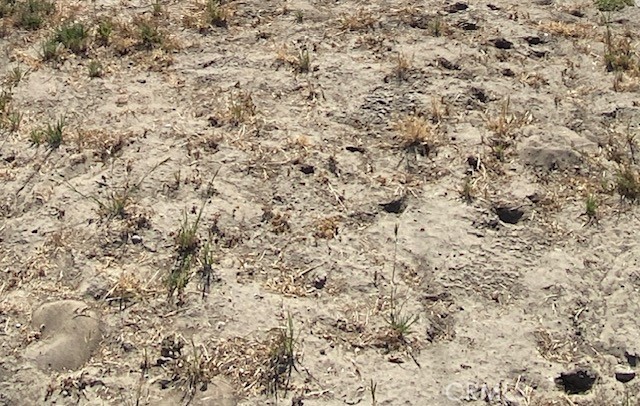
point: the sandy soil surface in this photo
(319, 203)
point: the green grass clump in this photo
(628, 185)
(50, 50)
(613, 5)
(149, 34)
(52, 135)
(73, 37)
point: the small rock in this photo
(214, 122)
(136, 239)
(473, 162)
(508, 214)
(625, 375)
(446, 64)
(468, 25)
(459, 6)
(355, 149)
(577, 381)
(502, 43)
(632, 358)
(395, 206)
(533, 40)
(307, 169)
(320, 281)
(127, 347)
(534, 198)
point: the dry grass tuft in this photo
(553, 348)
(327, 228)
(358, 21)
(416, 134)
(567, 29)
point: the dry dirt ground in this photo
(318, 202)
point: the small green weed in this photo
(5, 99)
(591, 208)
(16, 75)
(467, 192)
(14, 118)
(103, 32)
(179, 277)
(401, 323)
(282, 359)
(157, 8)
(187, 240)
(193, 373)
(436, 27)
(95, 69)
(52, 135)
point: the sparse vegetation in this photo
(13, 120)
(437, 27)
(402, 68)
(488, 131)
(467, 191)
(149, 33)
(115, 201)
(29, 14)
(619, 55)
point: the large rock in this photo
(219, 392)
(556, 148)
(70, 332)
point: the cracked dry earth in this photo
(389, 199)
